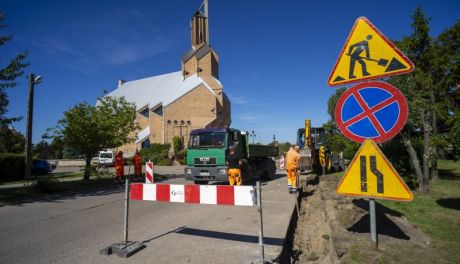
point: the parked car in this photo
(40, 167)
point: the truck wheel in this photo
(201, 182)
(266, 175)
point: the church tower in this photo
(201, 59)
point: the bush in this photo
(12, 167)
(180, 156)
(157, 153)
(47, 185)
(177, 144)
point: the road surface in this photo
(73, 228)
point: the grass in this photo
(56, 176)
(437, 214)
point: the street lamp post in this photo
(253, 135)
(30, 111)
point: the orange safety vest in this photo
(119, 165)
(292, 159)
(137, 161)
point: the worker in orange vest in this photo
(119, 167)
(137, 162)
(292, 167)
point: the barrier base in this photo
(123, 249)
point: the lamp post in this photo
(253, 135)
(30, 111)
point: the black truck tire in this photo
(201, 182)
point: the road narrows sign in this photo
(371, 110)
(368, 54)
(371, 175)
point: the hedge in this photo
(157, 153)
(12, 167)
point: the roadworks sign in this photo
(368, 54)
(371, 175)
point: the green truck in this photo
(209, 147)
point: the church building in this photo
(173, 104)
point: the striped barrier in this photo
(149, 172)
(195, 194)
(282, 166)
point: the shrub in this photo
(157, 153)
(180, 156)
(12, 167)
(177, 144)
(47, 185)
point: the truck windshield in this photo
(105, 155)
(207, 139)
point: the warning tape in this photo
(197, 194)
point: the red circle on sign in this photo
(369, 112)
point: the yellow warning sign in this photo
(368, 54)
(371, 175)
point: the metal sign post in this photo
(374, 243)
(126, 214)
(261, 230)
(125, 248)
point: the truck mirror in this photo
(235, 136)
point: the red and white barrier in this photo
(282, 166)
(149, 172)
(197, 194)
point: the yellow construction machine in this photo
(314, 153)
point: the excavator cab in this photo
(318, 136)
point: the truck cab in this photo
(209, 147)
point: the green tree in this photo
(8, 75)
(89, 129)
(432, 93)
(11, 141)
(337, 142)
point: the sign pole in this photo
(261, 230)
(125, 222)
(373, 223)
(125, 248)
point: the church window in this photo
(158, 110)
(145, 112)
(145, 144)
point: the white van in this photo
(106, 158)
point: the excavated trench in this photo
(333, 229)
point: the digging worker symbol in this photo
(355, 52)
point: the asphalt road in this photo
(73, 228)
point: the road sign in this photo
(368, 54)
(371, 175)
(371, 110)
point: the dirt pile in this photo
(335, 229)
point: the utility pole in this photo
(30, 111)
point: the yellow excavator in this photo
(314, 153)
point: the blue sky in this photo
(275, 56)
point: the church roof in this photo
(199, 53)
(162, 89)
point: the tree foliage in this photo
(336, 142)
(88, 129)
(11, 141)
(432, 94)
(8, 75)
